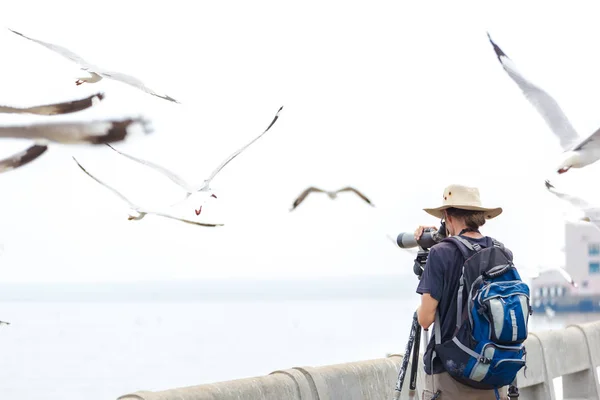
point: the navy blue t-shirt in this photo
(441, 280)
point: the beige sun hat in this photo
(463, 197)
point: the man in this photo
(463, 215)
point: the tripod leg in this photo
(409, 345)
(415, 359)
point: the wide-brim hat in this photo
(465, 198)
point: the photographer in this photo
(463, 215)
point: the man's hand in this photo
(420, 230)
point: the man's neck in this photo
(474, 235)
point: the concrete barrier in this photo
(572, 353)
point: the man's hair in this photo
(472, 219)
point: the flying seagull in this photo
(91, 132)
(96, 73)
(24, 157)
(577, 151)
(563, 273)
(56, 108)
(590, 213)
(204, 186)
(137, 213)
(411, 250)
(332, 195)
(535, 272)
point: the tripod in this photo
(414, 340)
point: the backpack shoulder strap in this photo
(467, 249)
(497, 243)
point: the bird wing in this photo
(392, 239)
(351, 189)
(567, 277)
(130, 80)
(60, 50)
(169, 174)
(574, 200)
(542, 101)
(236, 153)
(562, 272)
(22, 158)
(303, 195)
(187, 221)
(91, 132)
(411, 250)
(56, 108)
(115, 191)
(592, 141)
(133, 81)
(593, 216)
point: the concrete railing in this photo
(573, 353)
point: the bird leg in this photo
(79, 82)
(563, 170)
(198, 211)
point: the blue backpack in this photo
(493, 310)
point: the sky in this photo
(398, 99)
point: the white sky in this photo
(398, 99)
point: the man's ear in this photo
(448, 220)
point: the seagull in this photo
(411, 250)
(332, 195)
(91, 132)
(96, 73)
(24, 157)
(590, 213)
(392, 239)
(577, 151)
(550, 313)
(204, 186)
(56, 108)
(563, 273)
(137, 213)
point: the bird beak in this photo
(563, 170)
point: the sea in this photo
(100, 342)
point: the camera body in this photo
(428, 238)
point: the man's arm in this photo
(431, 287)
(426, 312)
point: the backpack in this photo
(487, 350)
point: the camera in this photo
(426, 241)
(429, 238)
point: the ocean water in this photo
(101, 350)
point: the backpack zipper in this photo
(501, 296)
(500, 284)
(506, 360)
(501, 346)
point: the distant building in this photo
(551, 292)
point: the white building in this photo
(582, 255)
(582, 262)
